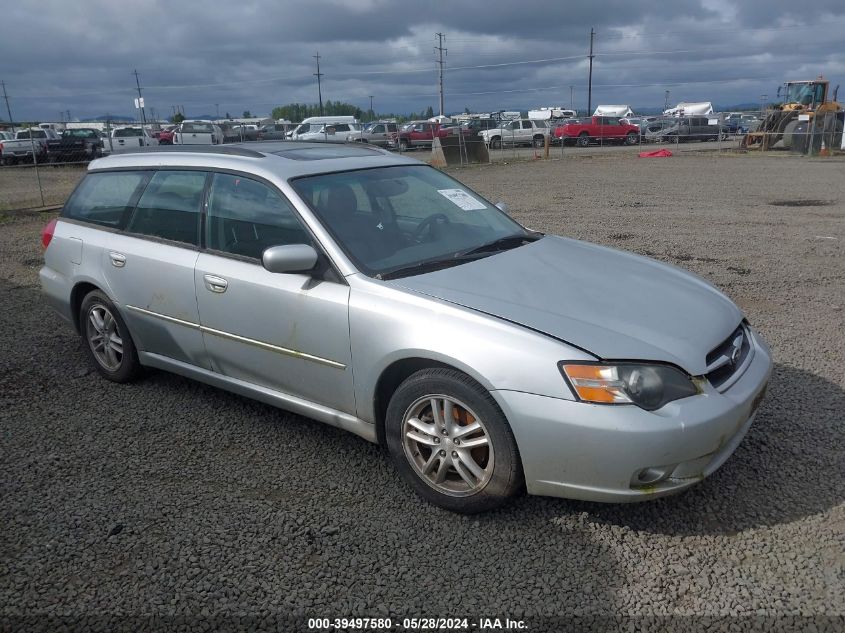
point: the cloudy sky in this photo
(78, 55)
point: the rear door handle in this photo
(215, 284)
(118, 260)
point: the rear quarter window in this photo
(105, 198)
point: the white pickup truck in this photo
(20, 149)
(517, 132)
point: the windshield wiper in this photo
(427, 266)
(503, 243)
(479, 252)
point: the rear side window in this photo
(245, 217)
(105, 198)
(170, 207)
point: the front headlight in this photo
(647, 386)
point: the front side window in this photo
(170, 207)
(245, 217)
(390, 218)
(105, 198)
(377, 129)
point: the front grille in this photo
(723, 361)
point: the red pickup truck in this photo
(419, 134)
(598, 128)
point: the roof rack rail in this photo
(228, 150)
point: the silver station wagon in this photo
(376, 294)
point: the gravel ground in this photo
(167, 498)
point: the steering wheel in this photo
(429, 224)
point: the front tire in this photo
(539, 141)
(495, 142)
(450, 441)
(583, 139)
(631, 138)
(108, 343)
(403, 145)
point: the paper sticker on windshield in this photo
(462, 199)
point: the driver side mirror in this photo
(289, 258)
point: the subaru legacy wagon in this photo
(374, 293)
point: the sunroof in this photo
(322, 153)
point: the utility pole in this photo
(590, 81)
(217, 106)
(140, 99)
(372, 114)
(571, 99)
(666, 102)
(318, 75)
(8, 109)
(439, 48)
(763, 99)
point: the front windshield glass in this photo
(391, 218)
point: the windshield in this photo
(394, 217)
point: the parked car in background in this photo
(274, 131)
(379, 295)
(129, 137)
(321, 127)
(517, 132)
(415, 134)
(165, 136)
(197, 132)
(77, 144)
(380, 133)
(236, 133)
(598, 129)
(740, 123)
(686, 128)
(474, 126)
(20, 148)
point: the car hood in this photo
(613, 304)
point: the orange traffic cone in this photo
(823, 151)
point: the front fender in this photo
(388, 324)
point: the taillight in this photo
(47, 233)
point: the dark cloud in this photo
(250, 55)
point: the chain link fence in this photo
(41, 166)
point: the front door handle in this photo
(215, 283)
(118, 260)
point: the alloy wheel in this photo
(104, 337)
(448, 445)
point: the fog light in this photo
(650, 476)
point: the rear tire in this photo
(432, 453)
(108, 343)
(539, 141)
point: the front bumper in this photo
(612, 453)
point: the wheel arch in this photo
(77, 295)
(398, 371)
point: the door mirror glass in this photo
(289, 258)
